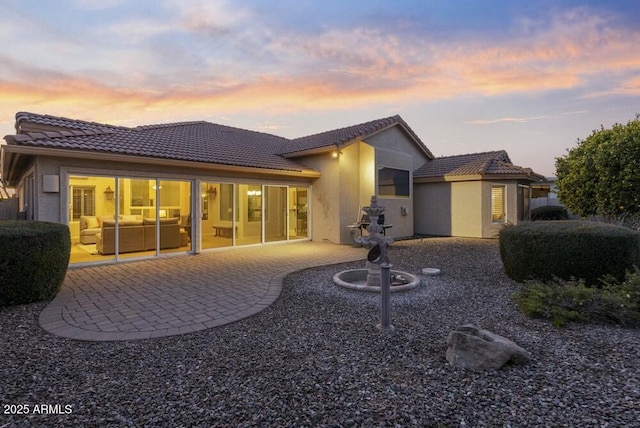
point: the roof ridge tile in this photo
(341, 136)
(47, 119)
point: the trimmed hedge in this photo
(549, 212)
(568, 249)
(34, 256)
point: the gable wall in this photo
(395, 140)
(394, 149)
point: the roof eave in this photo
(314, 151)
(478, 177)
(13, 150)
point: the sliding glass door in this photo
(218, 222)
(298, 212)
(127, 217)
(124, 217)
(275, 218)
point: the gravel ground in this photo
(315, 358)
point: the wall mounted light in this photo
(108, 193)
(212, 191)
(335, 154)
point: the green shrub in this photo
(549, 212)
(568, 249)
(573, 301)
(34, 257)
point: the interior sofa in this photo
(137, 234)
(89, 228)
(169, 233)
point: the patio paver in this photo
(176, 295)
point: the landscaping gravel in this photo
(315, 358)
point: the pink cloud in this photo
(340, 68)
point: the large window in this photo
(498, 212)
(121, 217)
(83, 202)
(393, 182)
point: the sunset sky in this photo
(530, 77)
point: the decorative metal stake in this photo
(385, 306)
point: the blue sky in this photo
(530, 77)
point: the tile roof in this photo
(193, 141)
(487, 163)
(189, 141)
(343, 136)
(62, 122)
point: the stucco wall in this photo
(325, 196)
(466, 209)
(349, 191)
(396, 140)
(449, 209)
(48, 204)
(367, 176)
(432, 209)
(490, 229)
(401, 219)
(462, 208)
(394, 149)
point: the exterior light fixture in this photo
(212, 191)
(108, 193)
(335, 154)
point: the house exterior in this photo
(472, 195)
(194, 186)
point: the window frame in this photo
(503, 217)
(82, 210)
(396, 185)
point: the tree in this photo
(601, 176)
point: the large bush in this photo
(34, 257)
(568, 249)
(601, 176)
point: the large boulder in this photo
(472, 348)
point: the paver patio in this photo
(183, 294)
